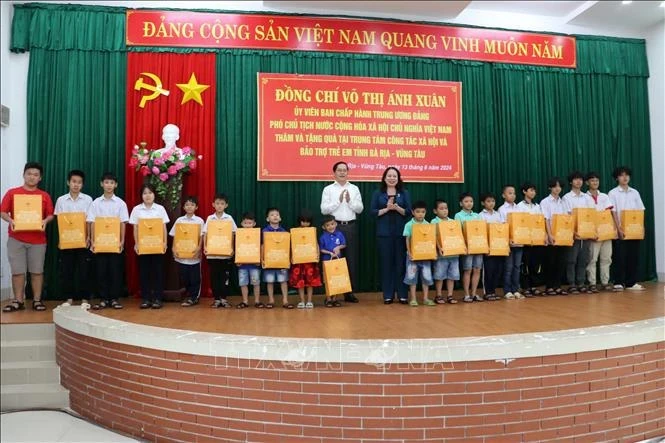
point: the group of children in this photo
(27, 250)
(575, 265)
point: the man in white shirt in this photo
(626, 252)
(75, 264)
(600, 251)
(578, 254)
(108, 266)
(343, 201)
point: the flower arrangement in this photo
(164, 169)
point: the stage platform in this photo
(574, 368)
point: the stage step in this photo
(29, 375)
(27, 350)
(24, 372)
(31, 331)
(27, 396)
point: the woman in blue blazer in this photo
(391, 205)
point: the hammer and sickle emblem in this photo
(156, 88)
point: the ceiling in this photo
(611, 16)
(581, 17)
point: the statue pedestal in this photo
(172, 203)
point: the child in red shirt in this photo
(26, 249)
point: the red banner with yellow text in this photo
(308, 122)
(284, 32)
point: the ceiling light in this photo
(626, 2)
(662, 5)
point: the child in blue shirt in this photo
(281, 276)
(471, 263)
(331, 244)
(445, 268)
(422, 267)
(249, 274)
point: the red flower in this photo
(192, 164)
(144, 170)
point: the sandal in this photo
(37, 305)
(413, 303)
(144, 305)
(429, 302)
(329, 304)
(572, 290)
(288, 306)
(99, 306)
(259, 305)
(13, 306)
(301, 305)
(583, 289)
(477, 298)
(269, 305)
(337, 303)
(440, 300)
(560, 291)
(242, 305)
(451, 300)
(116, 305)
(550, 291)
(593, 289)
(536, 291)
(468, 299)
(189, 302)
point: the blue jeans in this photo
(413, 268)
(511, 270)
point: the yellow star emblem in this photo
(192, 90)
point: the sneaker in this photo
(507, 296)
(309, 305)
(517, 295)
(636, 287)
(617, 288)
(301, 305)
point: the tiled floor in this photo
(53, 426)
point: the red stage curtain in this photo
(196, 123)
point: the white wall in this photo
(15, 71)
(655, 37)
(13, 139)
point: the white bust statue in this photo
(170, 135)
